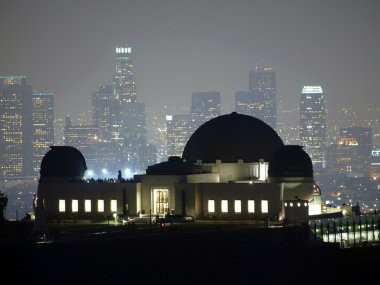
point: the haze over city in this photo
(180, 47)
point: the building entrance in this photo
(160, 201)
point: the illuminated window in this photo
(100, 205)
(224, 206)
(62, 206)
(237, 206)
(286, 204)
(113, 205)
(251, 206)
(87, 206)
(74, 206)
(298, 204)
(305, 204)
(264, 206)
(211, 206)
(291, 204)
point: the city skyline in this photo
(180, 48)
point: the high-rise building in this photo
(312, 124)
(106, 112)
(100, 156)
(124, 79)
(250, 103)
(42, 127)
(204, 106)
(15, 126)
(177, 133)
(362, 138)
(134, 136)
(83, 137)
(262, 82)
(132, 113)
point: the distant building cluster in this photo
(342, 150)
(26, 127)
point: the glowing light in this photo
(62, 206)
(211, 206)
(128, 173)
(87, 206)
(312, 90)
(237, 206)
(113, 205)
(89, 173)
(74, 206)
(264, 206)
(100, 206)
(224, 206)
(251, 206)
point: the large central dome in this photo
(232, 137)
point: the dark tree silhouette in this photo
(3, 206)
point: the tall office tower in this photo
(177, 133)
(124, 79)
(135, 136)
(151, 154)
(15, 126)
(312, 124)
(363, 138)
(132, 113)
(342, 157)
(98, 153)
(43, 127)
(250, 103)
(262, 82)
(204, 106)
(106, 113)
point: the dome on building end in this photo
(63, 161)
(232, 137)
(290, 161)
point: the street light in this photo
(128, 173)
(89, 174)
(104, 172)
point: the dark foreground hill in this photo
(177, 256)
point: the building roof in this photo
(290, 161)
(232, 137)
(174, 166)
(63, 161)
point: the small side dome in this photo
(63, 161)
(290, 161)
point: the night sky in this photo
(179, 47)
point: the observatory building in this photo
(233, 167)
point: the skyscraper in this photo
(177, 133)
(134, 135)
(250, 103)
(132, 113)
(15, 126)
(124, 79)
(363, 139)
(262, 82)
(204, 106)
(43, 127)
(312, 124)
(106, 114)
